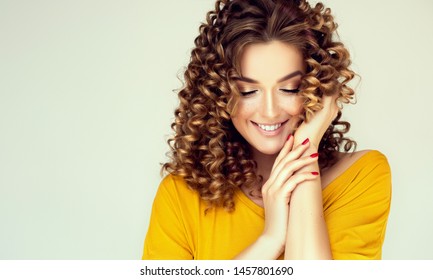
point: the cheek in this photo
(243, 110)
(295, 107)
(295, 110)
(241, 116)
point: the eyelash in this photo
(294, 91)
(245, 93)
(290, 90)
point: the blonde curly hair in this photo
(206, 149)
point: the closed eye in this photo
(245, 93)
(290, 90)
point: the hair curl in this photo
(206, 149)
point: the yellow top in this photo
(356, 207)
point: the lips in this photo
(269, 127)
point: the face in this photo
(269, 105)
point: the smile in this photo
(270, 127)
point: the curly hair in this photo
(206, 149)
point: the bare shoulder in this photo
(345, 160)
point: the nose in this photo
(269, 106)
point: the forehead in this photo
(270, 61)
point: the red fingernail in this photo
(315, 173)
(290, 136)
(305, 141)
(314, 155)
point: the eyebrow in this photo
(285, 78)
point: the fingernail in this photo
(290, 136)
(315, 173)
(305, 141)
(314, 155)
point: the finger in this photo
(290, 168)
(284, 151)
(297, 179)
(294, 154)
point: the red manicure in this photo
(290, 136)
(305, 141)
(314, 155)
(315, 173)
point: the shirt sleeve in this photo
(357, 220)
(166, 238)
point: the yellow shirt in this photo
(356, 207)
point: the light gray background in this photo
(86, 104)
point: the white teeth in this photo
(269, 127)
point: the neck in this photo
(264, 163)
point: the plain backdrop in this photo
(86, 103)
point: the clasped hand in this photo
(296, 163)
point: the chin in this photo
(269, 151)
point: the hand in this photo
(278, 188)
(319, 123)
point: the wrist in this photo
(313, 140)
(272, 244)
(312, 146)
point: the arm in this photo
(264, 248)
(166, 237)
(276, 194)
(307, 234)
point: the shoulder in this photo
(171, 180)
(369, 171)
(367, 161)
(362, 164)
(174, 184)
(363, 184)
(175, 189)
(372, 168)
(365, 156)
(357, 205)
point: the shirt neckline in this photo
(261, 211)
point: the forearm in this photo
(263, 248)
(307, 234)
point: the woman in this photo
(257, 170)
